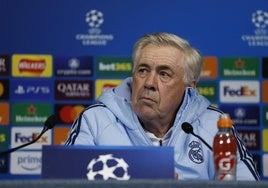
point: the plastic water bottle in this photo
(224, 150)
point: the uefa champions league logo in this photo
(94, 20)
(259, 18)
(107, 167)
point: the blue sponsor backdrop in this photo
(57, 27)
(87, 29)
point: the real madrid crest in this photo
(195, 153)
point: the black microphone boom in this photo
(188, 128)
(49, 124)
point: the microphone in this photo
(49, 124)
(188, 128)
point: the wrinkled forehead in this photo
(164, 55)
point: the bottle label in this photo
(225, 167)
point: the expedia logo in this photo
(240, 91)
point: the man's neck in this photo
(158, 129)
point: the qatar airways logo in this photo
(73, 89)
(240, 91)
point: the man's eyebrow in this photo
(143, 65)
(164, 67)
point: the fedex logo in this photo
(23, 135)
(24, 139)
(240, 91)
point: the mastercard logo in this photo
(69, 113)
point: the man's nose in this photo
(150, 82)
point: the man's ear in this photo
(193, 84)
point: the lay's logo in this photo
(31, 65)
(240, 91)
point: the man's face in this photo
(158, 86)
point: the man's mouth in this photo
(148, 99)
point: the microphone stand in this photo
(24, 145)
(49, 124)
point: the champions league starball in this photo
(94, 18)
(107, 167)
(260, 19)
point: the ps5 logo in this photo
(20, 90)
(31, 89)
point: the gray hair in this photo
(193, 60)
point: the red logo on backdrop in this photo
(225, 164)
(108, 85)
(29, 65)
(68, 112)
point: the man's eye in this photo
(142, 70)
(164, 74)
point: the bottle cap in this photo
(225, 121)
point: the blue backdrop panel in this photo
(84, 36)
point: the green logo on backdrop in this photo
(208, 89)
(30, 113)
(114, 67)
(234, 67)
(4, 137)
